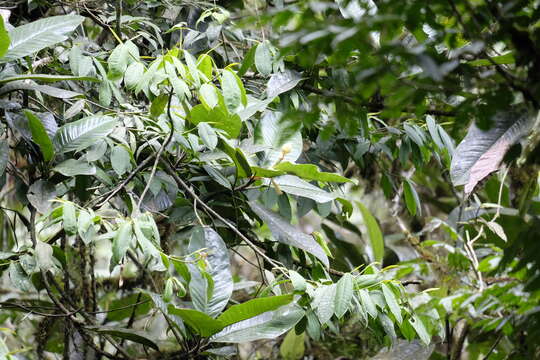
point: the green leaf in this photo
(252, 308)
(208, 95)
(231, 92)
(420, 329)
(344, 293)
(133, 75)
(40, 136)
(282, 137)
(208, 135)
(296, 186)
(367, 303)
(374, 233)
(249, 60)
(243, 169)
(218, 268)
(136, 336)
(268, 325)
(412, 201)
(324, 302)
(121, 242)
(4, 38)
(19, 278)
(218, 118)
(32, 86)
(504, 59)
(72, 167)
(30, 38)
(204, 64)
(122, 56)
(120, 160)
(201, 323)
(192, 67)
(69, 217)
(47, 78)
(80, 134)
(288, 234)
(263, 58)
(4, 155)
(292, 347)
(310, 172)
(298, 281)
(392, 303)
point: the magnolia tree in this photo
(196, 180)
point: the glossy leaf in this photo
(296, 186)
(72, 167)
(80, 134)
(121, 242)
(265, 326)
(203, 324)
(252, 308)
(32, 37)
(4, 38)
(344, 294)
(310, 172)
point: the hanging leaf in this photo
(412, 200)
(203, 324)
(30, 38)
(310, 172)
(232, 94)
(252, 308)
(263, 58)
(324, 302)
(136, 336)
(374, 233)
(121, 242)
(40, 136)
(283, 139)
(4, 38)
(120, 160)
(80, 134)
(296, 186)
(344, 293)
(72, 167)
(268, 325)
(292, 347)
(392, 303)
(288, 234)
(69, 218)
(218, 267)
(482, 151)
(282, 82)
(4, 155)
(47, 78)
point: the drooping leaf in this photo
(32, 86)
(283, 139)
(232, 94)
(243, 169)
(32, 37)
(263, 58)
(412, 201)
(282, 82)
(120, 160)
(121, 242)
(136, 336)
(69, 218)
(218, 267)
(46, 78)
(252, 308)
(310, 172)
(40, 195)
(122, 56)
(288, 234)
(268, 325)
(203, 324)
(392, 303)
(40, 136)
(4, 38)
(218, 118)
(324, 302)
(344, 293)
(292, 347)
(80, 134)
(4, 155)
(482, 151)
(374, 233)
(72, 167)
(296, 186)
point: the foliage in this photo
(196, 176)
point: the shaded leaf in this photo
(344, 293)
(139, 337)
(482, 151)
(374, 233)
(40, 136)
(296, 186)
(72, 167)
(288, 234)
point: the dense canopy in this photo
(291, 179)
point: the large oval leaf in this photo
(268, 325)
(481, 151)
(288, 234)
(30, 38)
(218, 268)
(83, 133)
